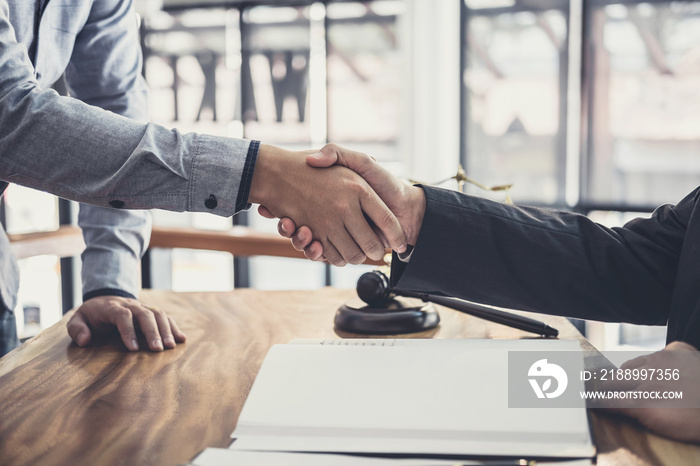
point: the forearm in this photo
(80, 152)
(115, 241)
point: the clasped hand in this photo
(401, 204)
(348, 215)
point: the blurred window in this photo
(39, 297)
(364, 76)
(515, 83)
(642, 76)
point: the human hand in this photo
(332, 202)
(102, 313)
(405, 201)
(676, 423)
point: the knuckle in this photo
(364, 160)
(357, 258)
(374, 248)
(679, 345)
(359, 187)
(298, 244)
(331, 146)
(336, 259)
(312, 252)
(388, 220)
(302, 236)
(123, 313)
(343, 209)
(339, 263)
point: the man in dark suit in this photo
(552, 262)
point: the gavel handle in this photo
(486, 313)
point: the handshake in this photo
(336, 204)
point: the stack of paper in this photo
(224, 457)
(420, 398)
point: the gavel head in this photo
(374, 289)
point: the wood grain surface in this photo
(61, 404)
(238, 240)
(242, 241)
(66, 241)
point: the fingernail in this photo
(82, 338)
(157, 344)
(401, 249)
(134, 346)
(317, 155)
(282, 228)
(170, 341)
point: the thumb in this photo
(78, 329)
(322, 159)
(360, 163)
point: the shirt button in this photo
(117, 204)
(211, 203)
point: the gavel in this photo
(375, 289)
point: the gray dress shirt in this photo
(95, 147)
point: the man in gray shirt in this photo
(95, 147)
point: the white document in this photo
(224, 457)
(423, 397)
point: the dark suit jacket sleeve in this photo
(547, 261)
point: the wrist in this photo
(264, 175)
(416, 202)
(275, 170)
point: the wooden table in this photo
(61, 404)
